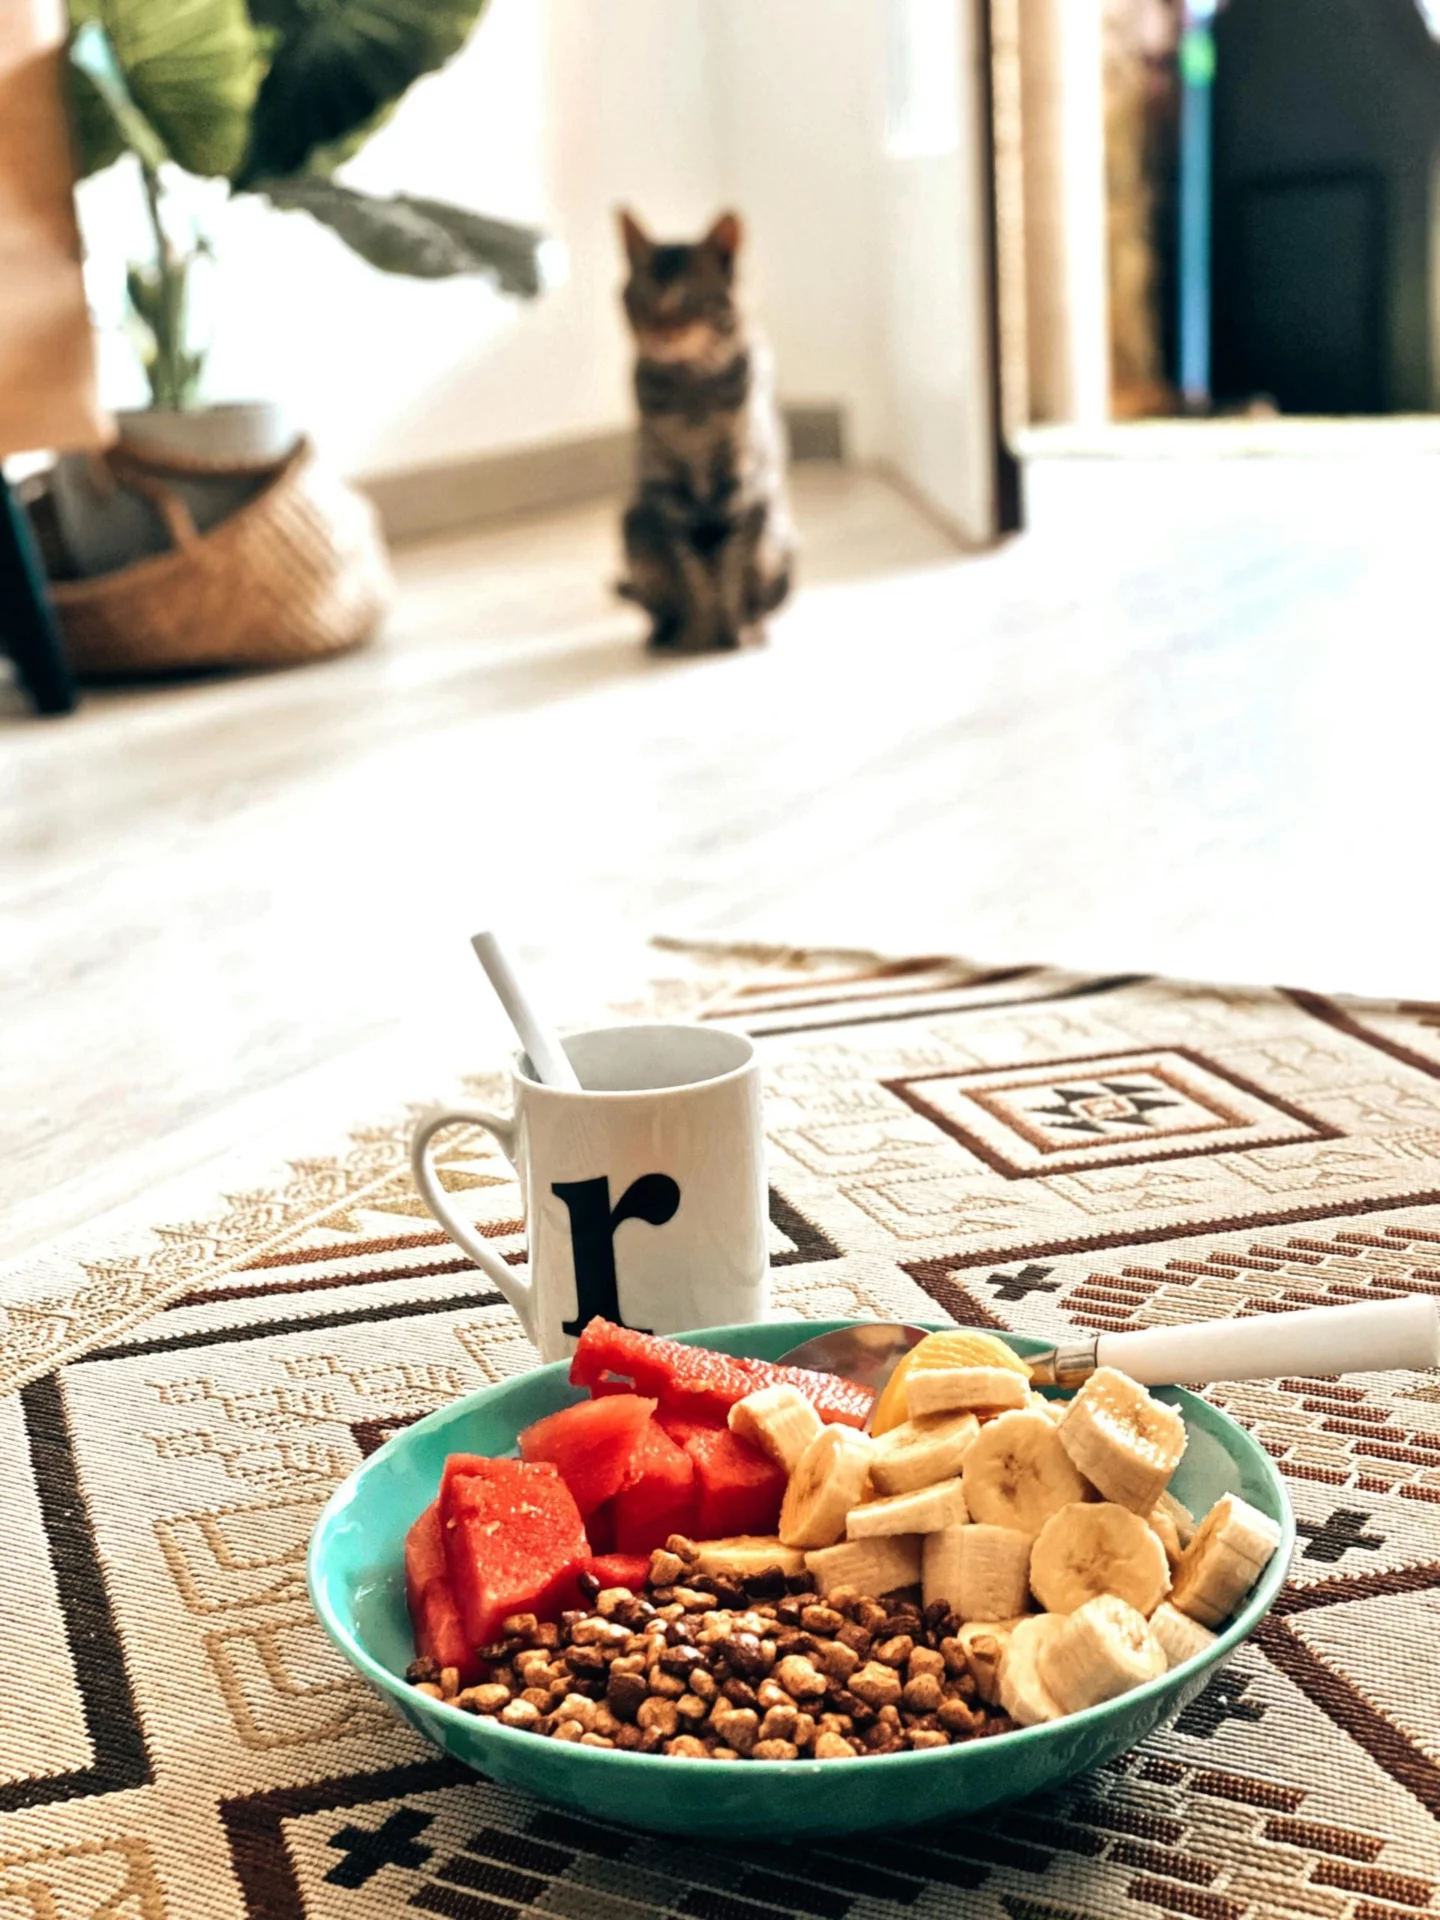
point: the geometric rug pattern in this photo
(1013, 1148)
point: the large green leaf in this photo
(337, 63)
(105, 120)
(426, 239)
(191, 67)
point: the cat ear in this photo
(725, 236)
(637, 241)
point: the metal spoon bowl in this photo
(867, 1353)
(1372, 1336)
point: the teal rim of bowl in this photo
(1238, 1444)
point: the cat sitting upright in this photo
(709, 544)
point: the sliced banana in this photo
(1180, 1636)
(1053, 1410)
(779, 1420)
(1161, 1523)
(955, 1347)
(1184, 1520)
(1124, 1443)
(826, 1482)
(982, 1572)
(1230, 1551)
(921, 1452)
(983, 1643)
(1093, 1548)
(1102, 1649)
(746, 1554)
(964, 1389)
(1016, 1473)
(1023, 1693)
(875, 1566)
(923, 1511)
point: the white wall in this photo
(863, 263)
(934, 320)
(849, 131)
(800, 116)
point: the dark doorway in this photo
(1300, 276)
(1327, 140)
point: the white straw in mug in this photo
(547, 1056)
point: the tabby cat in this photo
(709, 543)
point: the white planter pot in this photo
(107, 525)
(240, 433)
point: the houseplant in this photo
(270, 96)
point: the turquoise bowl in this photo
(357, 1583)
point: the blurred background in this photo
(1108, 342)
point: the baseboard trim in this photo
(454, 494)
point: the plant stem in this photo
(171, 373)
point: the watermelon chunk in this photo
(434, 1617)
(620, 1570)
(660, 1500)
(592, 1445)
(697, 1382)
(600, 1528)
(680, 1426)
(514, 1542)
(739, 1489)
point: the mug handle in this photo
(520, 1293)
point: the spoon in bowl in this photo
(1368, 1338)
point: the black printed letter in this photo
(653, 1198)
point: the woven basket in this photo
(298, 572)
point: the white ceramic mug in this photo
(644, 1192)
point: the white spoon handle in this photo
(547, 1056)
(1359, 1339)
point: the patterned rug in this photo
(1020, 1149)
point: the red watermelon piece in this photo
(591, 1445)
(600, 1528)
(660, 1500)
(680, 1426)
(620, 1570)
(514, 1542)
(739, 1489)
(434, 1617)
(699, 1383)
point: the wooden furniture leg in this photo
(28, 628)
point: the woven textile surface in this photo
(1020, 1149)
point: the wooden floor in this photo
(1188, 722)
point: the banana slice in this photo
(1017, 1473)
(983, 1643)
(1053, 1410)
(1100, 1650)
(1222, 1563)
(1090, 1549)
(1161, 1523)
(1184, 1520)
(873, 1567)
(923, 1511)
(779, 1420)
(1180, 1636)
(1023, 1693)
(1124, 1443)
(745, 1555)
(962, 1389)
(982, 1572)
(955, 1347)
(922, 1452)
(826, 1482)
